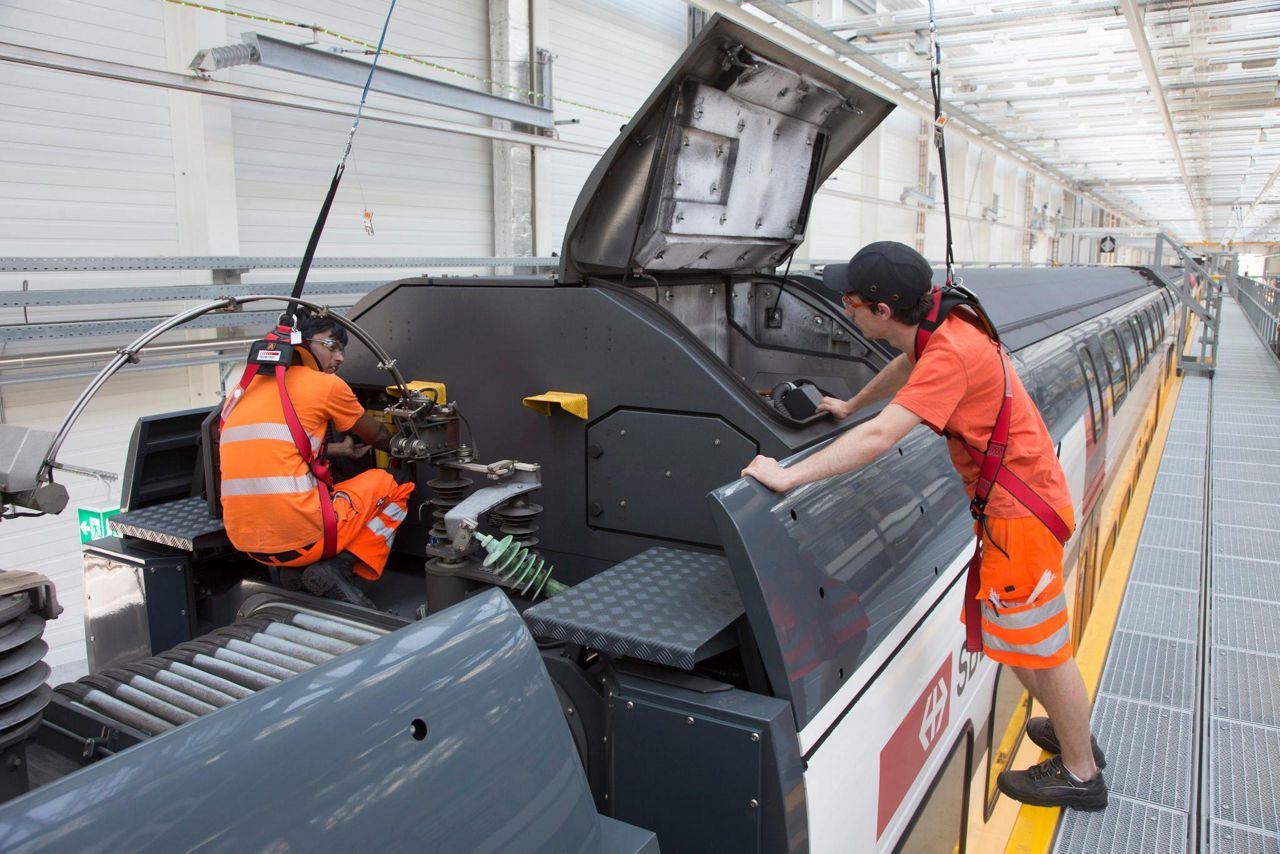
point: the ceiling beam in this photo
(22, 55)
(961, 21)
(1133, 16)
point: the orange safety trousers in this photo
(369, 506)
(1024, 605)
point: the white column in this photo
(203, 167)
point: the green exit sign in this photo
(93, 522)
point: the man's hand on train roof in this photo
(767, 471)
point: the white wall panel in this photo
(86, 168)
(72, 149)
(609, 55)
(430, 193)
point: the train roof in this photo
(1029, 304)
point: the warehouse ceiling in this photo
(1166, 110)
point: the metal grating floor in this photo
(1188, 709)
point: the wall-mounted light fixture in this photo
(911, 194)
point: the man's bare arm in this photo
(892, 377)
(852, 450)
(373, 432)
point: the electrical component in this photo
(517, 566)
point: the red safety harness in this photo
(273, 355)
(991, 470)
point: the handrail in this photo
(1260, 302)
(243, 263)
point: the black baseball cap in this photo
(887, 271)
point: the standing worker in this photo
(277, 504)
(954, 378)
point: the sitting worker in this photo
(275, 507)
(957, 381)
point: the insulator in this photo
(515, 517)
(215, 58)
(23, 694)
(449, 489)
(518, 567)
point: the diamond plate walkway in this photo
(1188, 709)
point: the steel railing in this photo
(1260, 302)
(39, 339)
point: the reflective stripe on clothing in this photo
(379, 527)
(1024, 607)
(256, 443)
(268, 485)
(1051, 649)
(370, 509)
(1023, 632)
(277, 432)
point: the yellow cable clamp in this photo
(421, 386)
(571, 402)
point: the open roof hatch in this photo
(718, 169)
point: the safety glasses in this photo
(851, 305)
(329, 344)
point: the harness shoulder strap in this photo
(944, 302)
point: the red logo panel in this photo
(905, 753)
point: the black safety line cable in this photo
(318, 229)
(935, 83)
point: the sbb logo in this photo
(904, 754)
(935, 715)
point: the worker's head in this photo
(325, 340)
(888, 279)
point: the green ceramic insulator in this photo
(519, 568)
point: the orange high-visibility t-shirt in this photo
(957, 385)
(269, 497)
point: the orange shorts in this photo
(369, 507)
(1024, 606)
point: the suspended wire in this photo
(935, 83)
(408, 57)
(318, 229)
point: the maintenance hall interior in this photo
(563, 279)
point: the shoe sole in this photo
(1083, 805)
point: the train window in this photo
(1115, 365)
(1088, 575)
(1093, 389)
(1157, 323)
(1009, 713)
(942, 821)
(1140, 337)
(1132, 362)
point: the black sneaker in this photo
(1049, 785)
(332, 579)
(1043, 735)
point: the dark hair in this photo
(311, 326)
(910, 315)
